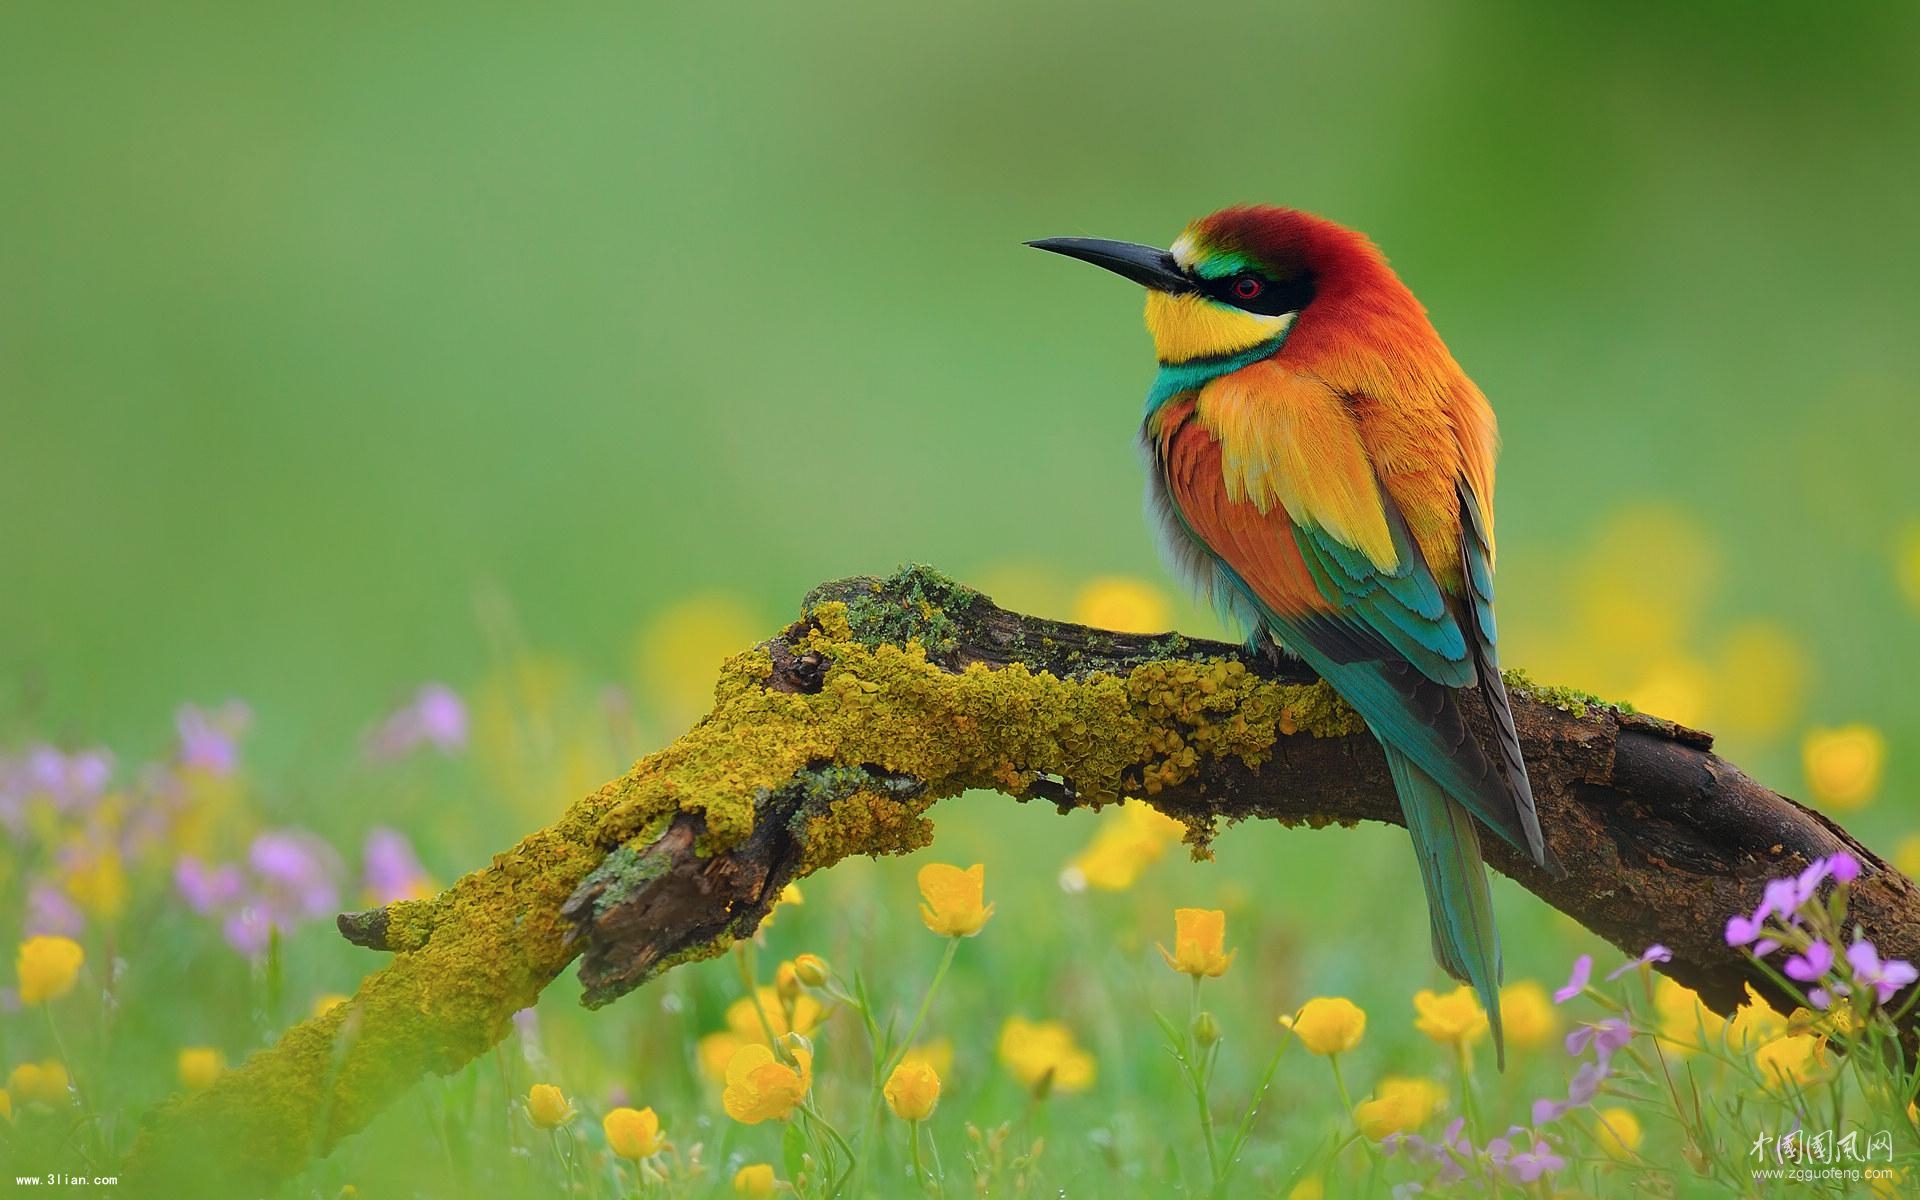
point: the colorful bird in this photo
(1323, 471)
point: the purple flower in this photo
(393, 871)
(1655, 953)
(1810, 879)
(1742, 930)
(69, 779)
(248, 929)
(1530, 1164)
(526, 1022)
(69, 782)
(1811, 964)
(443, 716)
(207, 891)
(1785, 897)
(1586, 1083)
(289, 877)
(49, 911)
(210, 741)
(1886, 978)
(1581, 1090)
(296, 872)
(1576, 982)
(436, 717)
(1605, 1038)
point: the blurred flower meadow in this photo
(1114, 1020)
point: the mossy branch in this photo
(834, 738)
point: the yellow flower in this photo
(1844, 765)
(762, 1088)
(326, 1002)
(1328, 1024)
(98, 884)
(789, 894)
(1455, 1019)
(1889, 1183)
(6, 1105)
(678, 654)
(1906, 856)
(1198, 937)
(1399, 1106)
(48, 967)
(743, 1015)
(1837, 1021)
(1907, 563)
(1674, 687)
(716, 1050)
(1527, 1014)
(1760, 678)
(45, 1081)
(786, 981)
(1684, 1020)
(1618, 1133)
(1043, 1056)
(951, 899)
(548, 1108)
(812, 970)
(1122, 604)
(1754, 1023)
(633, 1134)
(755, 1180)
(199, 1066)
(1126, 844)
(1797, 1058)
(1313, 1187)
(912, 1090)
(937, 1054)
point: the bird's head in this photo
(1232, 281)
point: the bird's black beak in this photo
(1145, 265)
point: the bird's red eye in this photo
(1248, 287)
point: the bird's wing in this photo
(1272, 477)
(1476, 574)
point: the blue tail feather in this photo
(1458, 900)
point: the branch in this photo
(836, 736)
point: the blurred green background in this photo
(315, 324)
(343, 348)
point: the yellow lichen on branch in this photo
(999, 728)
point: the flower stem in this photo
(926, 1003)
(913, 1144)
(1467, 1098)
(840, 1183)
(1197, 1076)
(1346, 1104)
(743, 955)
(1246, 1120)
(566, 1158)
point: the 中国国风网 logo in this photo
(1824, 1146)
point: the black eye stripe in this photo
(1276, 296)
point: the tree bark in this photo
(835, 736)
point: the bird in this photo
(1322, 470)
